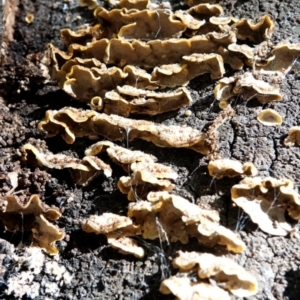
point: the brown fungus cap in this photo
(230, 168)
(72, 123)
(293, 136)
(225, 271)
(32, 215)
(265, 200)
(83, 171)
(269, 117)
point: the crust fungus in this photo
(83, 171)
(72, 123)
(180, 220)
(266, 200)
(230, 168)
(269, 117)
(293, 136)
(117, 229)
(221, 270)
(32, 215)
(247, 86)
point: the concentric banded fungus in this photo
(293, 136)
(247, 86)
(72, 123)
(83, 171)
(266, 200)
(117, 229)
(230, 168)
(269, 117)
(33, 216)
(225, 272)
(180, 221)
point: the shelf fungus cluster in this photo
(216, 277)
(149, 47)
(160, 216)
(32, 215)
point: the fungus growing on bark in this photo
(180, 221)
(230, 168)
(265, 200)
(82, 170)
(32, 215)
(293, 136)
(269, 117)
(72, 123)
(223, 271)
(117, 229)
(247, 86)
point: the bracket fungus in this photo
(265, 200)
(247, 86)
(172, 213)
(32, 215)
(128, 100)
(293, 136)
(230, 168)
(83, 171)
(224, 272)
(117, 229)
(184, 288)
(269, 117)
(72, 123)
